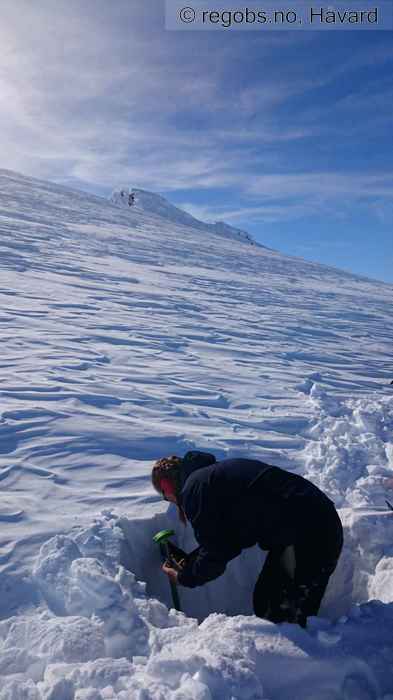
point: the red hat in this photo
(166, 469)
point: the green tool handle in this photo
(166, 556)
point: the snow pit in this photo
(100, 633)
(230, 594)
(365, 568)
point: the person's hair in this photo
(166, 468)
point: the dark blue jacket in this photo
(237, 503)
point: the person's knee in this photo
(288, 561)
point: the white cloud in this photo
(287, 197)
(98, 93)
(90, 91)
(324, 185)
(267, 214)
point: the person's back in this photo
(253, 501)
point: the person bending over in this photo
(237, 503)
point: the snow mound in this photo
(73, 583)
(349, 451)
(152, 203)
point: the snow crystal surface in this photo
(133, 332)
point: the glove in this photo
(177, 558)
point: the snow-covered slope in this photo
(127, 334)
(151, 203)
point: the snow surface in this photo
(130, 333)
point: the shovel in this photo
(162, 538)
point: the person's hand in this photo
(169, 571)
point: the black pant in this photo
(281, 595)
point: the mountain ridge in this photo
(144, 200)
(87, 208)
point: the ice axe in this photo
(162, 538)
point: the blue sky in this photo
(285, 134)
